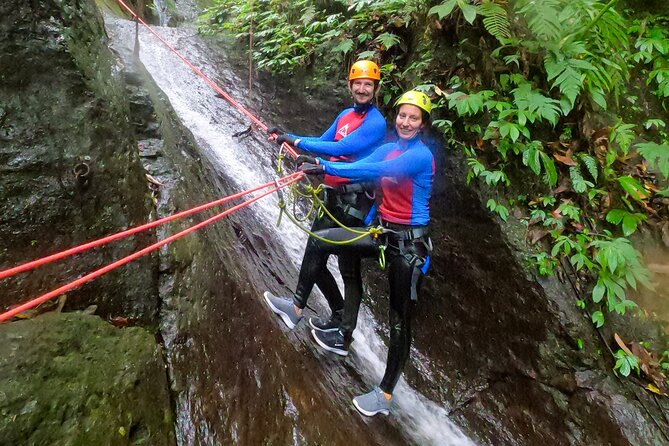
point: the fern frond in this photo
(612, 28)
(542, 18)
(579, 183)
(495, 20)
(567, 74)
(590, 164)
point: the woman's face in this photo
(409, 121)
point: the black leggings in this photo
(314, 271)
(404, 278)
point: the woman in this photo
(405, 171)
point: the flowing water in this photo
(213, 122)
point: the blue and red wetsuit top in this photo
(354, 134)
(405, 169)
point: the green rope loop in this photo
(312, 193)
(361, 235)
(324, 210)
(282, 209)
(279, 162)
(382, 257)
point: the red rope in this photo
(51, 294)
(211, 83)
(102, 241)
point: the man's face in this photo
(362, 91)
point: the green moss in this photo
(75, 379)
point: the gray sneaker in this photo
(372, 403)
(284, 307)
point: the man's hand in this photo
(312, 169)
(275, 131)
(287, 139)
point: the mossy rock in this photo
(74, 379)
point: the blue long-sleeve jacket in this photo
(405, 170)
(354, 134)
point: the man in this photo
(354, 134)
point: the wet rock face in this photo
(75, 379)
(69, 167)
(502, 346)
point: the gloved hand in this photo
(305, 159)
(275, 131)
(285, 138)
(312, 169)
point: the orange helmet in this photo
(364, 69)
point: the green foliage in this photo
(545, 264)
(469, 104)
(619, 265)
(498, 208)
(469, 11)
(622, 136)
(541, 18)
(567, 74)
(656, 155)
(633, 188)
(289, 36)
(533, 104)
(535, 158)
(625, 363)
(495, 20)
(598, 319)
(627, 220)
(579, 184)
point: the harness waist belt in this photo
(353, 187)
(406, 232)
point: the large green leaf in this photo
(468, 11)
(444, 9)
(551, 176)
(656, 154)
(633, 188)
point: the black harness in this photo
(354, 199)
(414, 244)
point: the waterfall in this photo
(213, 122)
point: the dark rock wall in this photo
(70, 173)
(69, 168)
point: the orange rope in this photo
(58, 291)
(211, 83)
(102, 241)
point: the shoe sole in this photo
(338, 351)
(284, 317)
(322, 330)
(368, 413)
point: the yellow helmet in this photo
(364, 69)
(417, 98)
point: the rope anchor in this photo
(82, 173)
